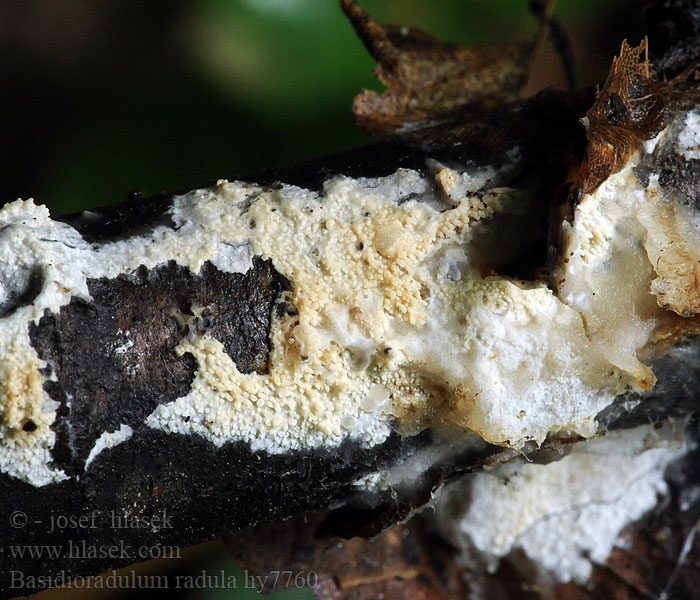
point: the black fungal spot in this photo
(29, 426)
(114, 358)
(285, 308)
(408, 197)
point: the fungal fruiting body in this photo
(398, 317)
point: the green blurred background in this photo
(100, 98)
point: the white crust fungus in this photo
(399, 317)
(565, 515)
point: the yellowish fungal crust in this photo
(606, 276)
(633, 251)
(391, 306)
(673, 250)
(20, 384)
(400, 322)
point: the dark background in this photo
(101, 97)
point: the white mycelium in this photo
(401, 320)
(566, 515)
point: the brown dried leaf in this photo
(427, 78)
(628, 110)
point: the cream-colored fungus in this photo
(394, 320)
(400, 317)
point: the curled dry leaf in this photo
(427, 78)
(628, 110)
